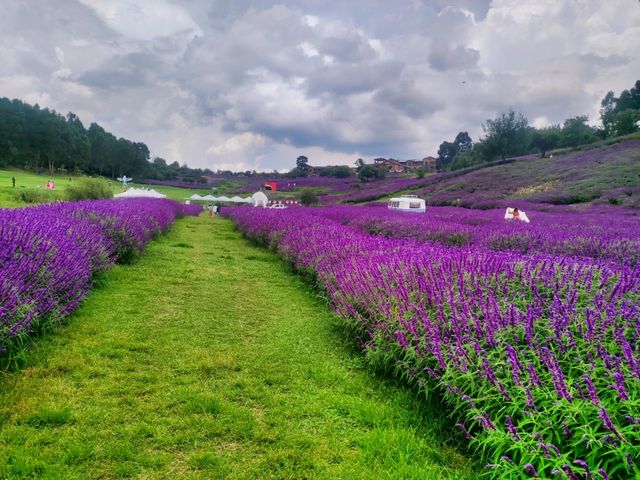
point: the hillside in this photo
(608, 174)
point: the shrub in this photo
(89, 189)
(35, 195)
(308, 197)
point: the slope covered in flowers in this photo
(536, 354)
(50, 255)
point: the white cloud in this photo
(138, 19)
(255, 84)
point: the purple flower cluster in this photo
(611, 235)
(532, 351)
(50, 254)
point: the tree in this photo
(626, 122)
(545, 139)
(463, 142)
(307, 197)
(575, 131)
(302, 164)
(446, 153)
(507, 134)
(611, 107)
(608, 112)
(369, 172)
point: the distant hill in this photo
(606, 174)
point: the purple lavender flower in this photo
(531, 470)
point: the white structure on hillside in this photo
(408, 203)
(259, 199)
(140, 193)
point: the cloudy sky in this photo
(252, 84)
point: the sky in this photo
(253, 84)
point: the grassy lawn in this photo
(31, 180)
(207, 359)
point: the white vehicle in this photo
(278, 206)
(408, 203)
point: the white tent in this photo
(195, 196)
(210, 198)
(259, 199)
(140, 193)
(223, 199)
(237, 199)
(248, 200)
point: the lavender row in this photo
(611, 236)
(50, 255)
(537, 356)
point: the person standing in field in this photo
(13, 182)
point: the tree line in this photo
(510, 134)
(39, 139)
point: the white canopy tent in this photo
(140, 193)
(195, 196)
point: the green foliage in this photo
(302, 166)
(308, 197)
(421, 172)
(506, 135)
(369, 172)
(38, 139)
(336, 172)
(545, 139)
(34, 195)
(88, 189)
(575, 131)
(612, 108)
(626, 122)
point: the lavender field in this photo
(529, 333)
(50, 255)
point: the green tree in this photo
(506, 135)
(626, 122)
(545, 139)
(463, 142)
(446, 153)
(369, 172)
(575, 131)
(302, 165)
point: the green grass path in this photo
(207, 359)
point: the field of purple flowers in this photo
(609, 174)
(536, 352)
(604, 233)
(51, 254)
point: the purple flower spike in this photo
(531, 470)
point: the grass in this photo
(31, 180)
(207, 359)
